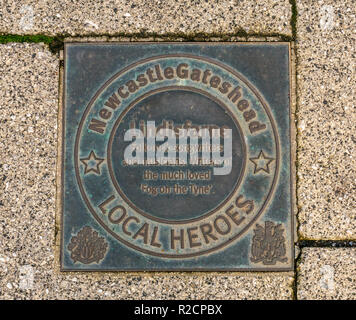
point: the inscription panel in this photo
(176, 157)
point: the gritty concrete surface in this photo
(29, 76)
(159, 16)
(327, 273)
(327, 119)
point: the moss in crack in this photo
(180, 36)
(327, 243)
(36, 38)
(56, 234)
(315, 244)
(293, 20)
(56, 43)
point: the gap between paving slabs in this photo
(56, 43)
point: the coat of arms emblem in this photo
(87, 246)
(268, 244)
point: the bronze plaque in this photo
(176, 156)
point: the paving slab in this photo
(29, 263)
(327, 119)
(169, 16)
(327, 273)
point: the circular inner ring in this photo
(175, 193)
(150, 251)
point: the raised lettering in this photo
(97, 126)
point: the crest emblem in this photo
(87, 246)
(268, 244)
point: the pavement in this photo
(323, 36)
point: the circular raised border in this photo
(118, 74)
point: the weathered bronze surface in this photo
(161, 213)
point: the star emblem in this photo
(261, 162)
(92, 163)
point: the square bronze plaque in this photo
(177, 156)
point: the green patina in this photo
(55, 43)
(293, 20)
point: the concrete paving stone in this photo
(327, 119)
(327, 273)
(158, 16)
(29, 77)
